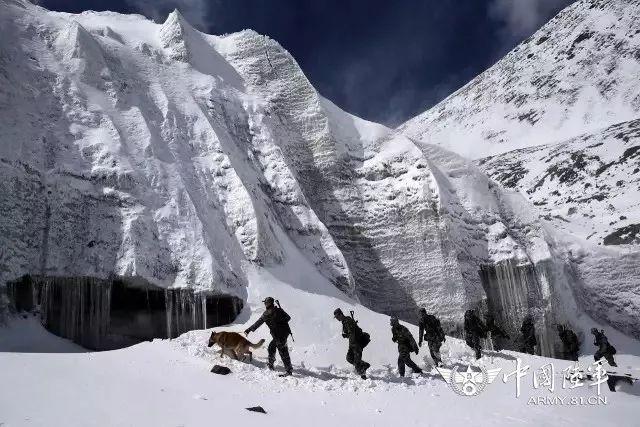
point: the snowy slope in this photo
(577, 74)
(167, 383)
(588, 186)
(157, 152)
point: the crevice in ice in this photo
(105, 314)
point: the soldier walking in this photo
(278, 322)
(570, 343)
(358, 340)
(406, 344)
(431, 330)
(528, 330)
(605, 349)
(474, 330)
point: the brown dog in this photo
(233, 344)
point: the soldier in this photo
(570, 343)
(406, 344)
(605, 349)
(358, 340)
(474, 330)
(497, 333)
(431, 329)
(278, 322)
(528, 330)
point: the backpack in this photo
(282, 318)
(363, 338)
(570, 340)
(437, 327)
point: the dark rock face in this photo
(624, 236)
(107, 314)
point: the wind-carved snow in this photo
(139, 150)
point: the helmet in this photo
(594, 331)
(337, 312)
(268, 301)
(423, 310)
(394, 321)
(560, 328)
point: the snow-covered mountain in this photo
(138, 154)
(588, 186)
(578, 74)
(155, 153)
(568, 100)
(557, 120)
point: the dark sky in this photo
(383, 60)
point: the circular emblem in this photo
(470, 382)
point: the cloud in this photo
(523, 17)
(194, 11)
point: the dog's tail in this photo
(258, 344)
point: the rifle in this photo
(363, 337)
(290, 332)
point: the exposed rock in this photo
(221, 370)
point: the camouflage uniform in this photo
(570, 343)
(353, 333)
(431, 329)
(406, 344)
(528, 330)
(277, 322)
(474, 330)
(605, 349)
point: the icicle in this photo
(203, 302)
(515, 291)
(169, 310)
(80, 309)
